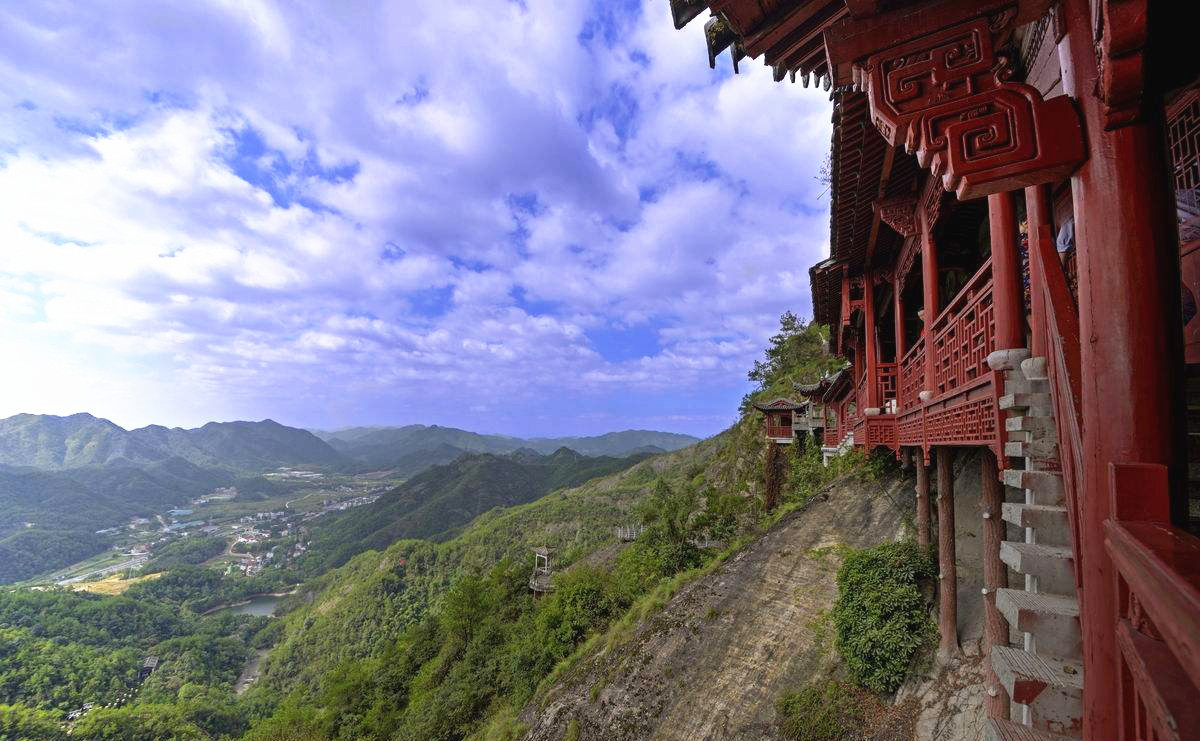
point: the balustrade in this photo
(912, 376)
(963, 335)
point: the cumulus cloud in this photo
(532, 217)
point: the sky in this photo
(531, 217)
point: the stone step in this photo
(1051, 564)
(1035, 405)
(1052, 619)
(1006, 730)
(1050, 686)
(1025, 386)
(1046, 486)
(1042, 426)
(1049, 522)
(1040, 450)
(1035, 369)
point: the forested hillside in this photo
(442, 499)
(410, 449)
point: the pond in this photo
(262, 605)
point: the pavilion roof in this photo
(782, 404)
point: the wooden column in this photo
(1037, 209)
(898, 315)
(948, 647)
(929, 280)
(922, 498)
(870, 342)
(995, 576)
(1006, 272)
(1131, 355)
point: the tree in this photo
(798, 353)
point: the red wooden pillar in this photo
(948, 647)
(922, 498)
(929, 280)
(898, 315)
(995, 576)
(1037, 208)
(1006, 272)
(1131, 354)
(869, 341)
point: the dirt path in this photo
(712, 662)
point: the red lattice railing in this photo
(831, 434)
(779, 431)
(964, 334)
(887, 382)
(912, 376)
(910, 429)
(881, 432)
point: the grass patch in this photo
(823, 711)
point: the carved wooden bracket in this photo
(908, 256)
(946, 97)
(900, 213)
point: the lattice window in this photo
(1183, 133)
(964, 335)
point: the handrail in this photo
(969, 290)
(1060, 328)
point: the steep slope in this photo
(358, 610)
(713, 661)
(443, 498)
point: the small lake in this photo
(263, 605)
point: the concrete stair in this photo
(1006, 730)
(1044, 678)
(1050, 521)
(1051, 687)
(1051, 564)
(1052, 619)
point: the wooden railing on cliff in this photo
(1157, 565)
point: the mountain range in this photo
(409, 449)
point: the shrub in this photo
(881, 616)
(823, 711)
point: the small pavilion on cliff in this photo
(1015, 268)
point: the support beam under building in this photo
(948, 648)
(995, 577)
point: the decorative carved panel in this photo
(946, 96)
(900, 213)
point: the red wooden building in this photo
(1011, 180)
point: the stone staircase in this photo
(1044, 674)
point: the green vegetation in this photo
(881, 615)
(185, 552)
(826, 710)
(436, 503)
(489, 646)
(798, 353)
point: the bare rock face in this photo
(713, 661)
(948, 700)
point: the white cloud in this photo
(334, 215)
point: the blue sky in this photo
(538, 218)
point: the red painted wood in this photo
(995, 576)
(1131, 385)
(1038, 214)
(871, 343)
(948, 646)
(1007, 294)
(898, 317)
(1159, 701)
(929, 279)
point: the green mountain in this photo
(438, 501)
(49, 442)
(404, 449)
(49, 519)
